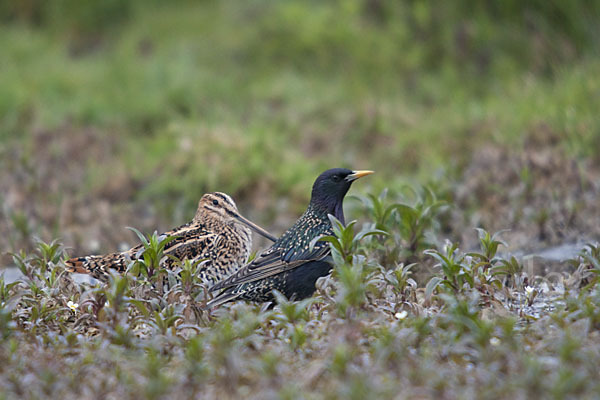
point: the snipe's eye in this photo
(215, 202)
(336, 178)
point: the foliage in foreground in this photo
(477, 326)
(121, 96)
(214, 91)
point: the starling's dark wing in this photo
(271, 262)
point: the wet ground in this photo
(546, 200)
(546, 271)
(544, 197)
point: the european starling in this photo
(218, 233)
(290, 265)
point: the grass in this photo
(369, 330)
(123, 113)
(179, 77)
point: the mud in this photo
(541, 194)
(46, 193)
(544, 196)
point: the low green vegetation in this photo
(215, 93)
(480, 119)
(372, 329)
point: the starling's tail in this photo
(222, 298)
(97, 266)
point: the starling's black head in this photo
(330, 188)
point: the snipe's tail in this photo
(98, 266)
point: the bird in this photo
(218, 233)
(296, 260)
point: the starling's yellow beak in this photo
(358, 174)
(255, 228)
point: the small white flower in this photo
(529, 290)
(401, 315)
(106, 304)
(72, 306)
(494, 341)
(447, 246)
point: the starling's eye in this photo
(215, 202)
(336, 178)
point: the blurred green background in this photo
(116, 113)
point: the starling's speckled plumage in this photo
(218, 233)
(290, 265)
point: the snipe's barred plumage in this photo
(290, 265)
(218, 233)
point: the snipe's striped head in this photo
(220, 206)
(217, 205)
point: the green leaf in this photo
(140, 235)
(141, 306)
(331, 239)
(432, 286)
(359, 236)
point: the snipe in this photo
(218, 233)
